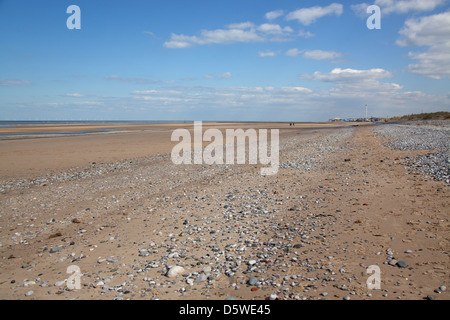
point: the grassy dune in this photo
(441, 115)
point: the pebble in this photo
(60, 283)
(27, 283)
(56, 249)
(252, 281)
(112, 260)
(29, 293)
(175, 271)
(422, 137)
(402, 264)
(440, 289)
(392, 262)
(207, 269)
(201, 278)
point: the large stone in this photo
(175, 271)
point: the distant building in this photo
(371, 119)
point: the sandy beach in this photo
(113, 204)
(31, 155)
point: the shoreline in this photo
(93, 125)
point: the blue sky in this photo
(222, 60)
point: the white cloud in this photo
(351, 90)
(426, 31)
(434, 63)
(356, 87)
(223, 36)
(89, 103)
(273, 14)
(353, 82)
(164, 100)
(307, 16)
(180, 41)
(267, 53)
(75, 95)
(241, 25)
(150, 33)
(14, 82)
(274, 28)
(131, 80)
(70, 104)
(295, 90)
(349, 76)
(431, 31)
(144, 91)
(404, 6)
(305, 34)
(210, 97)
(245, 32)
(360, 9)
(321, 54)
(396, 6)
(293, 52)
(228, 36)
(314, 54)
(226, 75)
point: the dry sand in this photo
(117, 207)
